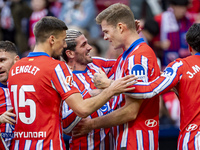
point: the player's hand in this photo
(138, 27)
(123, 84)
(6, 117)
(82, 128)
(101, 80)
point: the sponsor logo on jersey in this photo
(139, 71)
(191, 127)
(168, 71)
(69, 80)
(151, 123)
(7, 135)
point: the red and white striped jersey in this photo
(184, 74)
(141, 133)
(5, 128)
(37, 86)
(98, 139)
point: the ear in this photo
(52, 39)
(121, 27)
(16, 59)
(190, 48)
(70, 54)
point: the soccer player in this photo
(8, 56)
(39, 83)
(183, 74)
(137, 119)
(77, 56)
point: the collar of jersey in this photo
(3, 86)
(133, 45)
(35, 54)
(78, 71)
(197, 54)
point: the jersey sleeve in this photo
(169, 78)
(69, 118)
(105, 64)
(62, 81)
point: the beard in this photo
(82, 59)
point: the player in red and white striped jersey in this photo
(183, 74)
(137, 120)
(39, 83)
(84, 69)
(8, 56)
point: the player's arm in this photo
(6, 117)
(120, 116)
(88, 106)
(169, 78)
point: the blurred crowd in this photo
(164, 24)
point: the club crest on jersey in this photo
(140, 72)
(191, 127)
(168, 71)
(104, 109)
(151, 123)
(69, 80)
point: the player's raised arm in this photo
(88, 106)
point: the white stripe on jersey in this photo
(166, 82)
(124, 136)
(90, 140)
(81, 77)
(139, 138)
(102, 138)
(51, 145)
(94, 67)
(60, 139)
(151, 140)
(16, 145)
(27, 144)
(185, 141)
(8, 128)
(39, 145)
(197, 141)
(144, 63)
(62, 78)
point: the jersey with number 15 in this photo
(37, 86)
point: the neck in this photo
(42, 47)
(132, 37)
(76, 66)
(4, 83)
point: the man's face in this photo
(6, 62)
(179, 11)
(111, 34)
(59, 44)
(82, 51)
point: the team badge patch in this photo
(140, 72)
(168, 71)
(69, 80)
